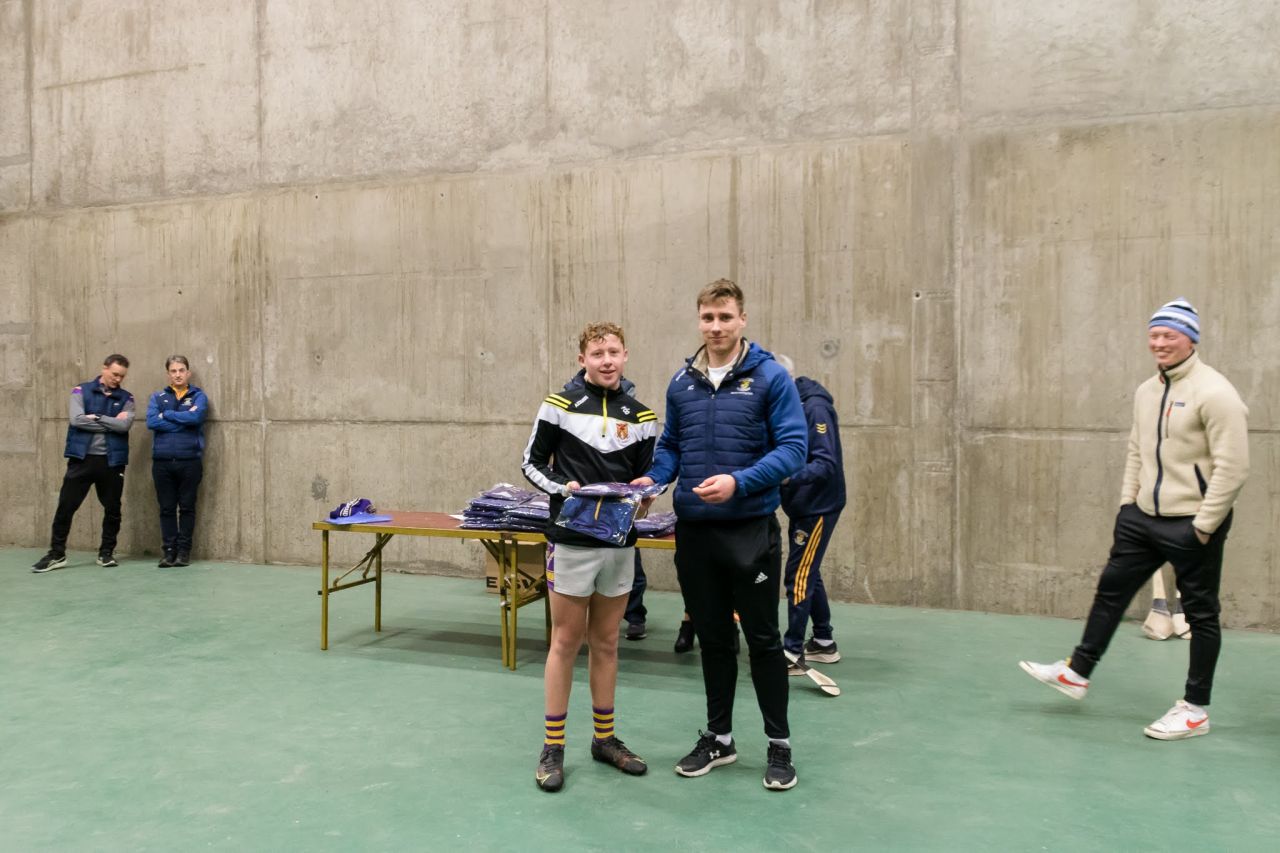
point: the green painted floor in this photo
(182, 709)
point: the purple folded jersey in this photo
(618, 490)
(359, 506)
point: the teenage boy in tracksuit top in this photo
(636, 612)
(176, 415)
(1188, 459)
(734, 430)
(598, 434)
(812, 500)
(97, 451)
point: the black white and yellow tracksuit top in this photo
(591, 435)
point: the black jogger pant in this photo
(1141, 545)
(83, 474)
(177, 481)
(725, 566)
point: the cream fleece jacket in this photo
(1189, 445)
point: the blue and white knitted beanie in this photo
(1179, 315)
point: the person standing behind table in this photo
(812, 500)
(97, 452)
(176, 415)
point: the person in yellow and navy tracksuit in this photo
(813, 500)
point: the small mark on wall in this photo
(319, 488)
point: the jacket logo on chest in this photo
(622, 430)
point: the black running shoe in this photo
(636, 631)
(780, 775)
(106, 560)
(684, 637)
(166, 561)
(707, 754)
(610, 750)
(49, 562)
(816, 653)
(183, 559)
(550, 772)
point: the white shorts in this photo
(579, 572)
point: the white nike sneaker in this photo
(1057, 675)
(1181, 721)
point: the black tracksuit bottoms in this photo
(725, 566)
(91, 472)
(1142, 544)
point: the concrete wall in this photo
(376, 228)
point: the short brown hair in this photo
(719, 289)
(116, 358)
(598, 332)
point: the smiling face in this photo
(603, 358)
(721, 323)
(1169, 346)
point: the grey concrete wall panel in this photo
(1070, 225)
(1023, 62)
(137, 99)
(15, 107)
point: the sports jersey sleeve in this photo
(541, 448)
(76, 414)
(821, 465)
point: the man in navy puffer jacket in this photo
(176, 415)
(734, 431)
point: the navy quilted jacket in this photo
(752, 427)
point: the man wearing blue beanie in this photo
(1188, 459)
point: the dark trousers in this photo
(725, 566)
(636, 611)
(176, 483)
(806, 596)
(1142, 544)
(82, 474)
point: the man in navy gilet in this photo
(97, 452)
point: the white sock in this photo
(725, 739)
(781, 741)
(824, 643)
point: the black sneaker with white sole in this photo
(107, 560)
(707, 754)
(550, 772)
(780, 775)
(636, 631)
(49, 562)
(815, 652)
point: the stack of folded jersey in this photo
(491, 510)
(605, 511)
(656, 526)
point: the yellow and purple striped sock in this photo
(555, 729)
(604, 722)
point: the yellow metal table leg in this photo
(513, 569)
(324, 590)
(377, 593)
